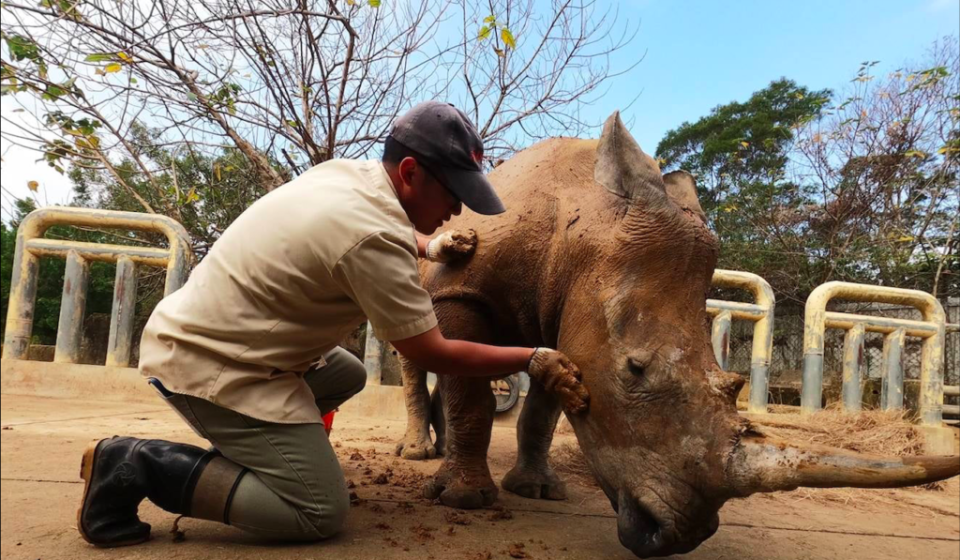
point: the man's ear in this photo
(407, 169)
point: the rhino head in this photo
(663, 437)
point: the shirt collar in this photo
(386, 177)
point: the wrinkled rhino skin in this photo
(603, 258)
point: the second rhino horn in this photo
(623, 168)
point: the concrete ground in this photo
(43, 438)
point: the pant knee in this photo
(332, 516)
(357, 373)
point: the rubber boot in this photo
(119, 473)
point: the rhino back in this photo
(555, 214)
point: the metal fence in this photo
(787, 359)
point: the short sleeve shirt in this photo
(285, 283)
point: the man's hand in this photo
(450, 246)
(560, 376)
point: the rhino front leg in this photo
(532, 476)
(463, 479)
(416, 444)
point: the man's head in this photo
(434, 156)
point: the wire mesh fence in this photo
(787, 359)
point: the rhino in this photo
(602, 257)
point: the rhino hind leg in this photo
(532, 476)
(416, 444)
(463, 480)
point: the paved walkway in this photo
(42, 440)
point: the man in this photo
(246, 352)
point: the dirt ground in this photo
(42, 440)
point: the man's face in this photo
(427, 202)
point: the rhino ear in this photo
(682, 190)
(622, 167)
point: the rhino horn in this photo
(765, 464)
(623, 168)
(681, 188)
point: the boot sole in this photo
(87, 465)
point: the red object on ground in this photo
(328, 421)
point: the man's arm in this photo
(432, 352)
(422, 241)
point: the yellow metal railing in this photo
(31, 246)
(760, 312)
(931, 329)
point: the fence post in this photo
(891, 387)
(122, 313)
(852, 365)
(721, 338)
(72, 307)
(371, 357)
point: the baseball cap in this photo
(452, 149)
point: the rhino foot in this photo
(462, 488)
(536, 484)
(416, 448)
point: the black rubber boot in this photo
(120, 472)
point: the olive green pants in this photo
(295, 488)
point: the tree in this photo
(282, 85)
(805, 187)
(739, 154)
(881, 170)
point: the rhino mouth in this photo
(646, 535)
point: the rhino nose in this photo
(638, 530)
(642, 534)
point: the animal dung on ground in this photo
(456, 518)
(516, 551)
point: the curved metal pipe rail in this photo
(760, 313)
(31, 246)
(931, 329)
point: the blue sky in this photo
(703, 53)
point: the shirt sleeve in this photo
(380, 275)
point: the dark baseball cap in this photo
(452, 150)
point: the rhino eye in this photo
(636, 365)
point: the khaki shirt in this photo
(285, 283)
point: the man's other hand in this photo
(452, 246)
(560, 376)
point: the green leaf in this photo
(507, 37)
(101, 57)
(490, 20)
(374, 3)
(133, 81)
(484, 33)
(192, 97)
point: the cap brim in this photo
(473, 189)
